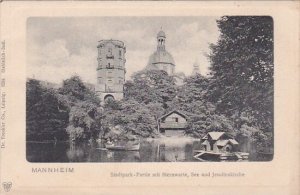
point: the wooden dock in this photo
(201, 155)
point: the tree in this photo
(156, 110)
(84, 121)
(76, 90)
(46, 117)
(242, 73)
(85, 112)
(151, 86)
(129, 118)
(72, 111)
(242, 68)
(194, 89)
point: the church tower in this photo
(161, 40)
(111, 69)
(161, 59)
(196, 69)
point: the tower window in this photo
(161, 41)
(109, 54)
(109, 66)
(109, 81)
(120, 53)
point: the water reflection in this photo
(155, 150)
(75, 153)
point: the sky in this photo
(59, 47)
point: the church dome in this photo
(161, 57)
(161, 34)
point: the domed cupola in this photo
(161, 39)
(161, 34)
(161, 59)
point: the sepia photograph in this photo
(149, 97)
(150, 89)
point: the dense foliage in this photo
(84, 109)
(147, 97)
(46, 116)
(242, 74)
(70, 112)
(152, 86)
(237, 96)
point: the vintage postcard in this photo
(149, 97)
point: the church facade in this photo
(111, 69)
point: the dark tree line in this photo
(69, 112)
(242, 68)
(46, 116)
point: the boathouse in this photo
(219, 142)
(172, 123)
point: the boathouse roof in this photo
(224, 142)
(173, 111)
(214, 135)
(233, 141)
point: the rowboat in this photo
(134, 147)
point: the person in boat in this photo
(55, 140)
(110, 141)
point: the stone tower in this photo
(161, 59)
(111, 69)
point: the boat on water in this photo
(202, 155)
(217, 146)
(134, 147)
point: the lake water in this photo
(156, 150)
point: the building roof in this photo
(205, 142)
(214, 135)
(226, 141)
(161, 57)
(114, 42)
(174, 111)
(233, 141)
(161, 34)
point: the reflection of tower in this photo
(196, 69)
(111, 69)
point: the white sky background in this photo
(58, 48)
